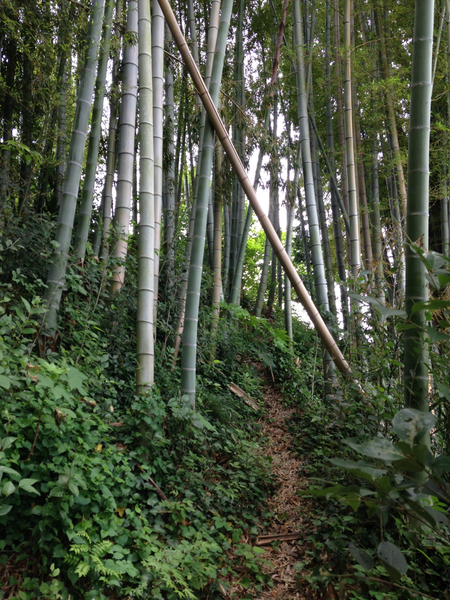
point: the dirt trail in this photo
(289, 509)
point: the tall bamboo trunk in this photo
(193, 31)
(181, 293)
(237, 198)
(376, 226)
(367, 242)
(87, 199)
(100, 244)
(189, 354)
(341, 116)
(355, 250)
(287, 284)
(101, 239)
(158, 86)
(304, 237)
(145, 351)
(169, 179)
(61, 140)
(234, 296)
(63, 234)
(337, 230)
(444, 216)
(326, 243)
(308, 180)
(275, 201)
(238, 168)
(416, 364)
(392, 119)
(217, 248)
(264, 272)
(127, 134)
(235, 289)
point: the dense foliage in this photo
(125, 244)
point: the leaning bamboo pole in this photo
(236, 163)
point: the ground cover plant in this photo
(109, 490)
(144, 289)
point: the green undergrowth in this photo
(107, 494)
(379, 526)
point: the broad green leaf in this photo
(44, 381)
(26, 304)
(20, 314)
(24, 482)
(73, 488)
(439, 516)
(421, 453)
(5, 382)
(444, 390)
(354, 503)
(361, 467)
(393, 559)
(430, 305)
(339, 491)
(200, 422)
(441, 464)
(30, 489)
(409, 422)
(435, 335)
(8, 488)
(379, 448)
(7, 442)
(384, 310)
(441, 490)
(407, 464)
(59, 391)
(435, 260)
(4, 509)
(421, 514)
(74, 379)
(58, 491)
(405, 326)
(27, 485)
(362, 557)
(10, 471)
(444, 279)
(391, 312)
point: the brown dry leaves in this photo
(287, 506)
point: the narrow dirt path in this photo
(289, 509)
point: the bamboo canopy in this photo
(236, 163)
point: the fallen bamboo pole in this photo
(238, 167)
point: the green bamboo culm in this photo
(84, 217)
(63, 234)
(158, 87)
(311, 206)
(355, 245)
(145, 353)
(125, 152)
(237, 278)
(189, 355)
(416, 362)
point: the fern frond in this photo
(83, 569)
(79, 549)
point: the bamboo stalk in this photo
(223, 136)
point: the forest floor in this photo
(283, 541)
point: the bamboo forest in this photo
(224, 299)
